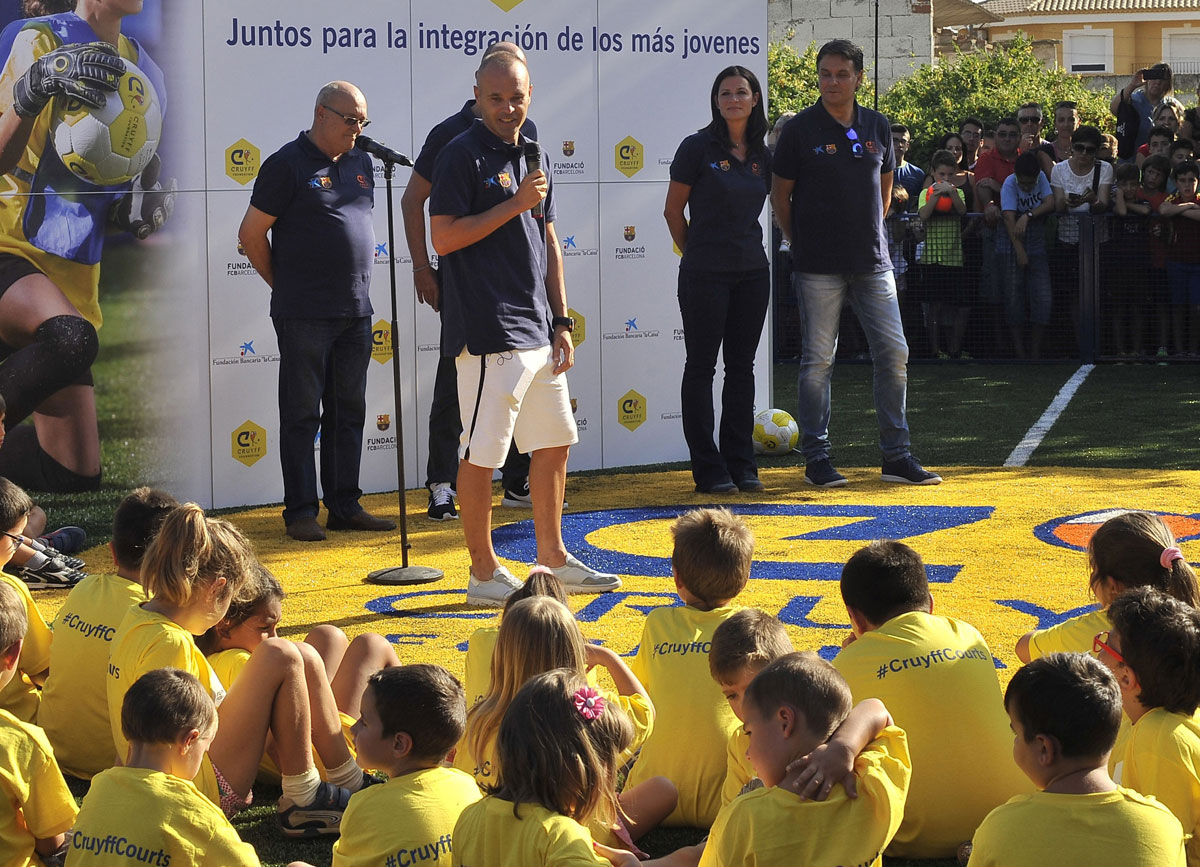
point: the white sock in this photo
(348, 776)
(301, 789)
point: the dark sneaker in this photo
(64, 540)
(360, 520)
(725, 487)
(822, 474)
(441, 503)
(320, 818)
(908, 471)
(48, 573)
(517, 496)
(751, 485)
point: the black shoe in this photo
(362, 520)
(306, 529)
(822, 474)
(441, 503)
(751, 485)
(726, 487)
(41, 572)
(908, 470)
(322, 817)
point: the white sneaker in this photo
(492, 593)
(578, 578)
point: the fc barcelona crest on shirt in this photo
(383, 421)
(505, 179)
(568, 148)
(872, 147)
(831, 149)
(723, 165)
(630, 233)
(756, 168)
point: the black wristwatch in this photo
(566, 322)
(1029, 213)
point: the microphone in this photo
(382, 151)
(533, 163)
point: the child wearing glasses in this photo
(1152, 650)
(22, 695)
(1064, 710)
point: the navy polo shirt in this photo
(494, 295)
(323, 240)
(442, 134)
(837, 212)
(724, 204)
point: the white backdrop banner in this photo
(617, 84)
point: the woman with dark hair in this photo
(721, 174)
(963, 179)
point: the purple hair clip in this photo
(589, 703)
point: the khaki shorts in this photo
(512, 395)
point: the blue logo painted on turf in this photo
(516, 541)
(1074, 531)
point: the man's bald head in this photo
(502, 55)
(338, 92)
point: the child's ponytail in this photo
(1131, 549)
(193, 550)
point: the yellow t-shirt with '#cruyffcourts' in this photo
(22, 695)
(410, 819)
(1162, 759)
(937, 677)
(1121, 828)
(74, 709)
(773, 827)
(738, 770)
(1075, 635)
(35, 803)
(139, 816)
(488, 834)
(146, 641)
(693, 720)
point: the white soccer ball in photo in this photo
(110, 145)
(775, 432)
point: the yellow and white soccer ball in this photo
(775, 432)
(110, 145)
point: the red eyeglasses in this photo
(1100, 645)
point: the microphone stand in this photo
(404, 573)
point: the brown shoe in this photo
(306, 530)
(361, 520)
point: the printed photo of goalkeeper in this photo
(68, 74)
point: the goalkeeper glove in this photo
(84, 72)
(146, 207)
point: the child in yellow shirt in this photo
(74, 709)
(539, 634)
(148, 810)
(937, 677)
(1065, 710)
(1124, 552)
(194, 567)
(710, 562)
(559, 746)
(412, 715)
(742, 646)
(36, 808)
(1153, 649)
(22, 694)
(335, 668)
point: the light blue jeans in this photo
(873, 298)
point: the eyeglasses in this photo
(1100, 645)
(856, 147)
(1029, 119)
(1084, 149)
(20, 540)
(360, 122)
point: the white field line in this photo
(1034, 436)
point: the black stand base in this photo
(405, 575)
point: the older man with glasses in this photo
(1031, 120)
(315, 196)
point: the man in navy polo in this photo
(504, 317)
(314, 195)
(832, 187)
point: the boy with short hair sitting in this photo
(36, 808)
(711, 564)
(1153, 650)
(937, 677)
(22, 693)
(743, 646)
(74, 709)
(1065, 710)
(412, 716)
(791, 708)
(149, 810)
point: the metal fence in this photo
(1089, 288)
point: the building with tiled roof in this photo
(1105, 36)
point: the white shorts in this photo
(512, 395)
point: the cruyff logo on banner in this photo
(631, 410)
(241, 161)
(381, 342)
(630, 156)
(248, 443)
(580, 333)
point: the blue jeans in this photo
(873, 297)
(322, 386)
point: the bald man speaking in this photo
(314, 196)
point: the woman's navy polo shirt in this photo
(837, 209)
(323, 239)
(724, 204)
(494, 296)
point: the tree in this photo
(792, 80)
